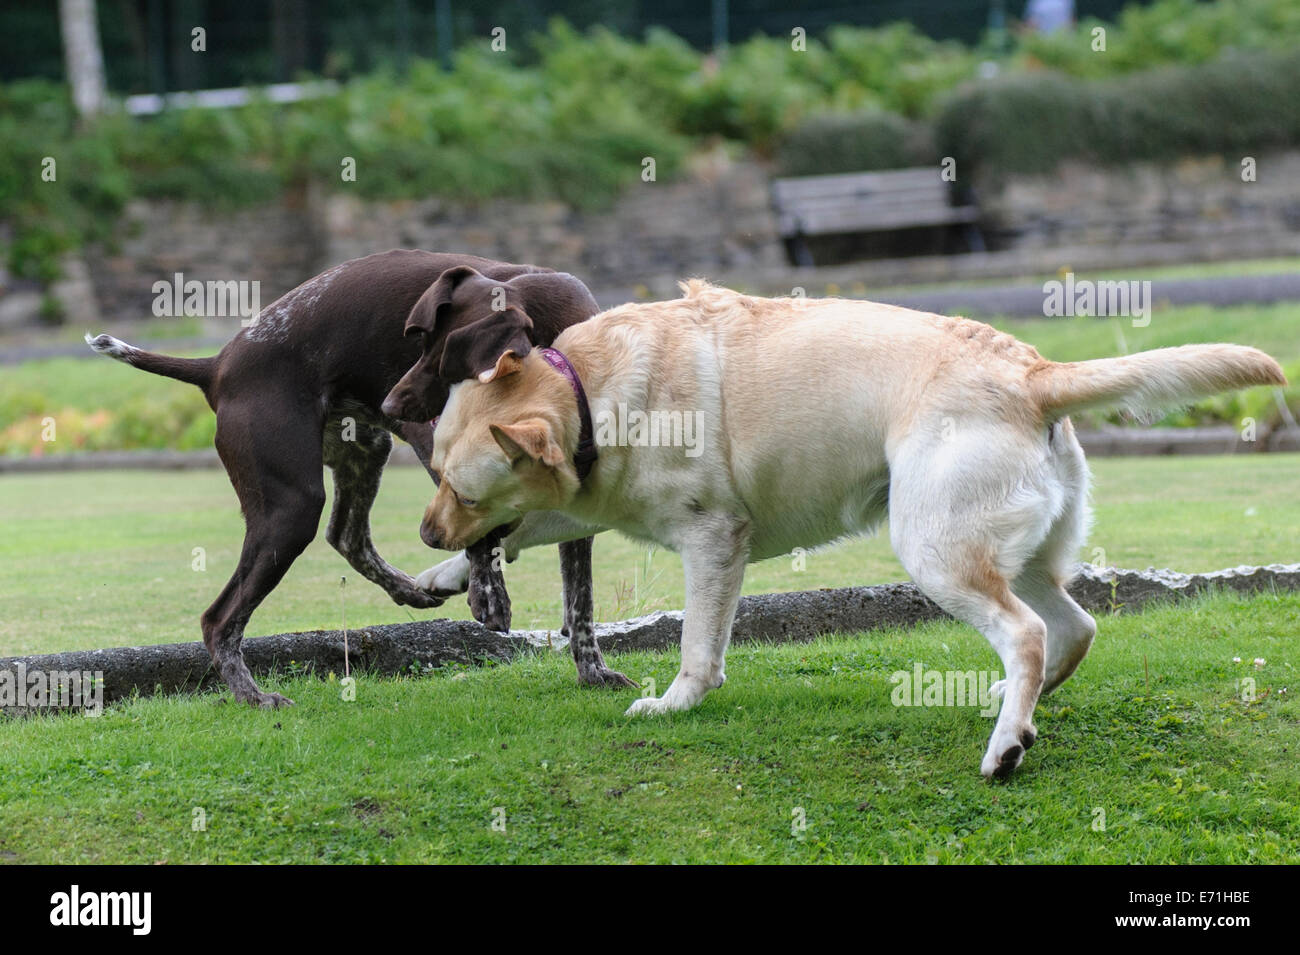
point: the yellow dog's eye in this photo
(466, 502)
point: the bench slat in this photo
(902, 200)
(859, 220)
(852, 183)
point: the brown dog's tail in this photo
(1150, 380)
(197, 371)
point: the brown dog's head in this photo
(504, 447)
(467, 321)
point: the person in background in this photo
(1048, 16)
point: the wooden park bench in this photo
(866, 202)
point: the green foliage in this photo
(854, 142)
(574, 115)
(1239, 105)
(1165, 32)
(47, 218)
(895, 68)
(98, 405)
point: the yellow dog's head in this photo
(503, 447)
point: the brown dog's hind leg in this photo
(278, 480)
(579, 626)
(358, 466)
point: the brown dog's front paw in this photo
(267, 701)
(490, 603)
(419, 599)
(601, 675)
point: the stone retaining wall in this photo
(1196, 199)
(716, 222)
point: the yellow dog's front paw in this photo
(648, 706)
(679, 696)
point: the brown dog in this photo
(302, 387)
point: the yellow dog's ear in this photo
(531, 437)
(507, 364)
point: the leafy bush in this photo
(854, 142)
(894, 68)
(183, 422)
(572, 117)
(49, 217)
(1183, 32)
(1026, 123)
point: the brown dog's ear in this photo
(424, 314)
(477, 350)
(531, 437)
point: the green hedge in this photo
(1242, 104)
(571, 121)
(855, 142)
(1184, 32)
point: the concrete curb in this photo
(771, 618)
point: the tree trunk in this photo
(82, 53)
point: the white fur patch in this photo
(452, 575)
(112, 347)
(272, 323)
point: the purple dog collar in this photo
(585, 456)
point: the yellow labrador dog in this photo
(731, 429)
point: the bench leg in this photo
(796, 248)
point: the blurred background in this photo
(951, 155)
(634, 144)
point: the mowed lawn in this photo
(1156, 751)
(109, 559)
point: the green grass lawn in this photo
(1149, 754)
(106, 559)
(1150, 737)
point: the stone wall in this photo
(717, 219)
(1193, 200)
(762, 618)
(716, 222)
(720, 219)
(278, 245)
